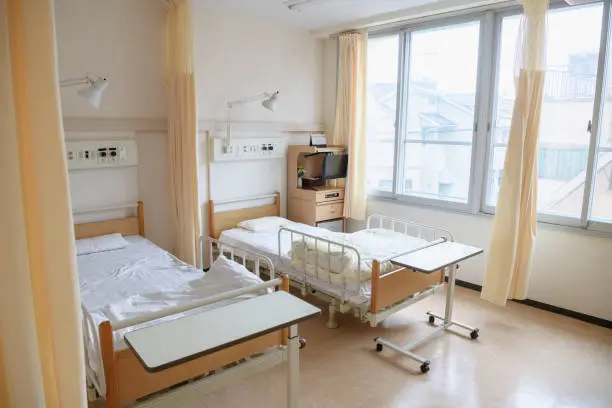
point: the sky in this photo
(449, 55)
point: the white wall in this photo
(123, 40)
(238, 56)
(571, 269)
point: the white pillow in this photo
(102, 243)
(231, 274)
(264, 224)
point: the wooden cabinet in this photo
(321, 203)
(329, 211)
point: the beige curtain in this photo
(182, 131)
(41, 343)
(514, 230)
(349, 126)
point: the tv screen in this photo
(334, 166)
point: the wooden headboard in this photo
(223, 220)
(123, 226)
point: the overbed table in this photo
(174, 342)
(429, 259)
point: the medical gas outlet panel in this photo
(101, 154)
(248, 149)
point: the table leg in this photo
(293, 380)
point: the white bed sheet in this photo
(134, 281)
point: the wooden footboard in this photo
(127, 380)
(396, 286)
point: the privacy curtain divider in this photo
(41, 346)
(514, 230)
(182, 131)
(350, 124)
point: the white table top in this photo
(176, 341)
(436, 257)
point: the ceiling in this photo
(318, 14)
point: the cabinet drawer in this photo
(330, 211)
(333, 195)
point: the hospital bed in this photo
(350, 279)
(360, 273)
(142, 285)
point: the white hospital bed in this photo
(368, 273)
(350, 280)
(142, 285)
(360, 285)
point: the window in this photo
(383, 56)
(439, 112)
(601, 209)
(430, 85)
(567, 107)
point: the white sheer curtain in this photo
(514, 231)
(182, 131)
(349, 127)
(41, 346)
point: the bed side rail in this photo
(338, 248)
(239, 255)
(408, 227)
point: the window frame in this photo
(405, 38)
(484, 116)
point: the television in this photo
(334, 166)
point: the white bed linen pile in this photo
(139, 279)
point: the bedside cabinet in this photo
(314, 206)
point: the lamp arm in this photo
(76, 81)
(249, 99)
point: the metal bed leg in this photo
(293, 382)
(406, 349)
(333, 310)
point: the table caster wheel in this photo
(474, 334)
(379, 348)
(425, 368)
(432, 320)
(302, 342)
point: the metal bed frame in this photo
(362, 310)
(367, 312)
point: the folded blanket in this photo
(372, 244)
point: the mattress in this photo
(134, 281)
(343, 276)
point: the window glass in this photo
(440, 111)
(382, 70)
(601, 209)
(569, 93)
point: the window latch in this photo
(589, 126)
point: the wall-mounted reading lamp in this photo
(93, 92)
(268, 101)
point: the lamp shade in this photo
(93, 93)
(270, 103)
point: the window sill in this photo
(598, 229)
